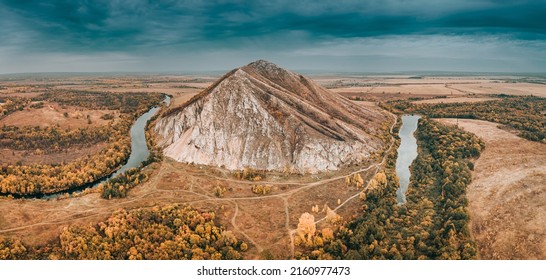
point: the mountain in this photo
(264, 117)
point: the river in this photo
(407, 152)
(139, 149)
(139, 153)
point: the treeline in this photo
(523, 113)
(441, 174)
(170, 232)
(45, 179)
(12, 104)
(130, 103)
(156, 152)
(42, 178)
(250, 174)
(52, 138)
(20, 179)
(362, 237)
(432, 224)
(118, 186)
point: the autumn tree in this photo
(306, 228)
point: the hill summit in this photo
(264, 117)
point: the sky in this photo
(329, 36)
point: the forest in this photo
(118, 186)
(132, 103)
(12, 104)
(160, 233)
(526, 114)
(54, 139)
(432, 224)
(18, 179)
(44, 179)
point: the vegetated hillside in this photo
(264, 117)
(170, 232)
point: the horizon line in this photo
(305, 71)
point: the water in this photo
(139, 149)
(407, 152)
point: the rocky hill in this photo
(264, 117)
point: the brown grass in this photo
(379, 88)
(507, 88)
(53, 114)
(28, 157)
(454, 100)
(507, 196)
(261, 220)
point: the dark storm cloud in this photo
(120, 25)
(146, 35)
(520, 18)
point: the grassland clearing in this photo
(53, 114)
(507, 194)
(266, 222)
(453, 100)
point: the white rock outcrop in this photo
(264, 117)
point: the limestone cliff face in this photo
(264, 117)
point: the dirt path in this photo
(507, 196)
(449, 86)
(37, 221)
(237, 229)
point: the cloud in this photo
(107, 24)
(141, 28)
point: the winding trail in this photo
(154, 195)
(236, 211)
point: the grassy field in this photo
(507, 194)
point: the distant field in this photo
(506, 88)
(52, 114)
(417, 90)
(182, 88)
(453, 100)
(380, 87)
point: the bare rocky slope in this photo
(264, 117)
